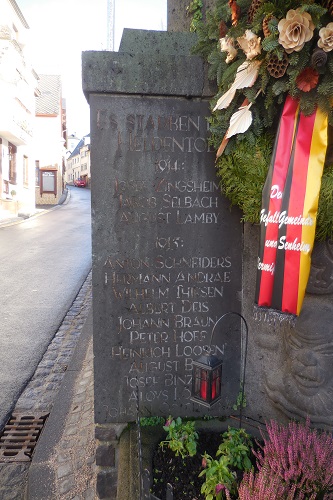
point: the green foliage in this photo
(220, 474)
(195, 11)
(181, 438)
(236, 445)
(240, 401)
(208, 47)
(324, 228)
(243, 173)
(242, 179)
(217, 472)
(151, 421)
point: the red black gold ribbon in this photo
(289, 209)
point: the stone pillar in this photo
(166, 246)
(178, 19)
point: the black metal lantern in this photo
(206, 379)
(207, 373)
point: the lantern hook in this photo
(245, 356)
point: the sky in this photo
(61, 29)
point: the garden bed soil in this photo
(183, 473)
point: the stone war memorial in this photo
(177, 273)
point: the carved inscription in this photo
(173, 273)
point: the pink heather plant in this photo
(301, 457)
(263, 486)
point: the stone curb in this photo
(49, 464)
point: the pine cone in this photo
(318, 58)
(265, 25)
(223, 29)
(277, 67)
(255, 5)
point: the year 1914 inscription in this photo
(166, 258)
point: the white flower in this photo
(250, 44)
(325, 41)
(227, 45)
(295, 30)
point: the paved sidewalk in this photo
(63, 460)
(63, 466)
(10, 220)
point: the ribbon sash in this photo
(289, 209)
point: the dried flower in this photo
(235, 12)
(325, 41)
(295, 30)
(250, 44)
(223, 29)
(227, 45)
(307, 79)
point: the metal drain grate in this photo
(19, 437)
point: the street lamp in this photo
(207, 373)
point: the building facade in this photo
(78, 162)
(18, 83)
(50, 140)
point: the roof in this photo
(76, 151)
(78, 147)
(49, 100)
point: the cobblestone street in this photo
(74, 456)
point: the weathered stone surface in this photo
(167, 256)
(106, 485)
(166, 246)
(105, 456)
(178, 18)
(167, 70)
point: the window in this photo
(25, 171)
(12, 163)
(37, 173)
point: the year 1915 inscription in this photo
(170, 265)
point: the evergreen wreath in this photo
(237, 32)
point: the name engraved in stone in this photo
(182, 292)
(176, 321)
(134, 217)
(140, 293)
(150, 380)
(117, 278)
(201, 218)
(137, 201)
(186, 202)
(165, 186)
(185, 336)
(178, 351)
(154, 366)
(145, 217)
(165, 262)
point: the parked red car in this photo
(80, 183)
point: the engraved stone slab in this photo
(166, 258)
